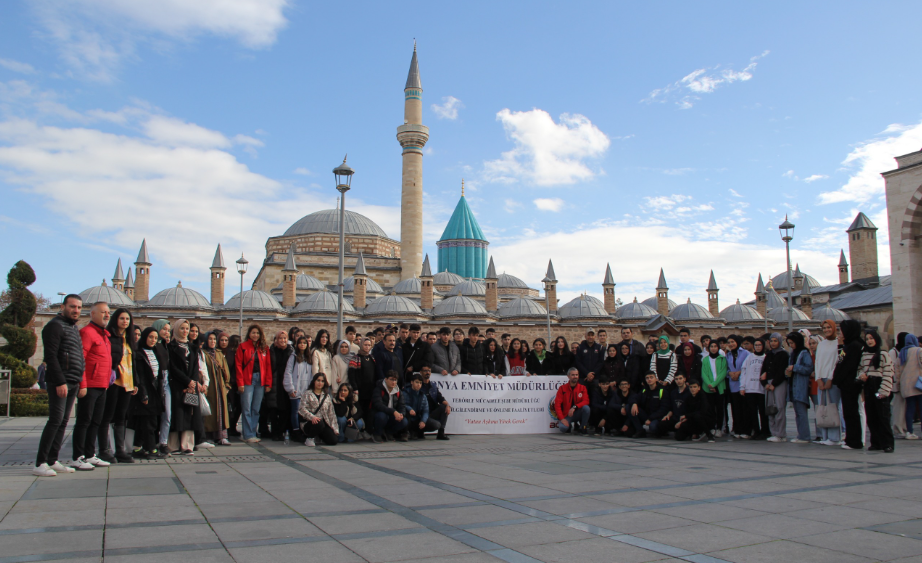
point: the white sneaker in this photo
(798, 441)
(80, 464)
(828, 443)
(775, 439)
(309, 442)
(847, 447)
(57, 466)
(43, 471)
(718, 434)
(745, 437)
(911, 436)
(96, 462)
(206, 445)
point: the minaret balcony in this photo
(412, 135)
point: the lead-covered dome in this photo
(371, 286)
(322, 302)
(254, 300)
(105, 294)
(827, 313)
(781, 281)
(635, 310)
(582, 307)
(651, 302)
(179, 297)
(459, 305)
(690, 311)
(783, 314)
(327, 222)
(393, 305)
(739, 313)
(521, 307)
(446, 278)
(411, 286)
(509, 281)
(469, 287)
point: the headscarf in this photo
(900, 341)
(176, 326)
(805, 333)
(145, 333)
(875, 350)
(687, 361)
(799, 346)
(346, 358)
(778, 337)
(158, 324)
(205, 348)
(764, 346)
(818, 339)
(739, 345)
(713, 355)
(831, 323)
(910, 342)
(851, 330)
(665, 352)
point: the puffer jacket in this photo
(63, 352)
(297, 376)
(448, 360)
(416, 401)
(97, 353)
(471, 357)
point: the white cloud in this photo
(511, 205)
(549, 203)
(547, 153)
(815, 177)
(869, 158)
(95, 36)
(171, 131)
(303, 171)
(677, 171)
(789, 174)
(734, 193)
(16, 66)
(702, 81)
(449, 108)
(666, 201)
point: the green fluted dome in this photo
(463, 246)
(462, 225)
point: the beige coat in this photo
(321, 362)
(218, 382)
(910, 372)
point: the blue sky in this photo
(647, 136)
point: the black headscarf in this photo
(144, 334)
(875, 350)
(900, 340)
(799, 346)
(764, 346)
(851, 330)
(739, 345)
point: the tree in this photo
(15, 321)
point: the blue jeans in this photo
(387, 423)
(250, 402)
(913, 405)
(802, 420)
(359, 424)
(167, 412)
(832, 398)
(295, 405)
(580, 416)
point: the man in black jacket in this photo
(697, 418)
(636, 348)
(389, 409)
(388, 357)
(439, 409)
(416, 353)
(472, 352)
(64, 360)
(620, 409)
(647, 410)
(674, 405)
(589, 358)
(600, 398)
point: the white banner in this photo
(511, 405)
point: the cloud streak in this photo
(686, 91)
(448, 109)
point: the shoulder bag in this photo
(827, 416)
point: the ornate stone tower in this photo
(806, 300)
(550, 287)
(662, 295)
(608, 289)
(862, 247)
(118, 278)
(490, 281)
(289, 279)
(713, 305)
(425, 290)
(843, 267)
(799, 278)
(129, 285)
(761, 297)
(412, 136)
(360, 286)
(217, 278)
(142, 271)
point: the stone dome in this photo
(469, 287)
(651, 302)
(521, 307)
(179, 297)
(304, 282)
(393, 305)
(323, 302)
(690, 311)
(411, 286)
(774, 300)
(635, 310)
(254, 300)
(459, 305)
(739, 313)
(105, 294)
(507, 280)
(781, 281)
(582, 306)
(783, 314)
(327, 222)
(446, 278)
(371, 286)
(827, 313)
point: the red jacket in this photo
(244, 361)
(570, 397)
(97, 354)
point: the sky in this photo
(647, 136)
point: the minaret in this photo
(289, 279)
(360, 281)
(806, 300)
(217, 278)
(129, 285)
(142, 272)
(425, 291)
(492, 297)
(799, 278)
(862, 247)
(608, 290)
(662, 295)
(843, 267)
(412, 136)
(761, 297)
(118, 278)
(550, 287)
(713, 305)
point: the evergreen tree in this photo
(15, 321)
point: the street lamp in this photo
(242, 269)
(787, 234)
(547, 309)
(63, 295)
(343, 176)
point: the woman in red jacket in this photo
(254, 378)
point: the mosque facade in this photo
(393, 281)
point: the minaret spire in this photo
(412, 136)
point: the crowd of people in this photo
(180, 388)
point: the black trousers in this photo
(738, 408)
(90, 410)
(233, 409)
(878, 418)
(439, 414)
(58, 415)
(431, 425)
(665, 427)
(851, 414)
(757, 417)
(695, 424)
(146, 430)
(718, 407)
(597, 415)
(116, 412)
(321, 431)
(725, 411)
(616, 421)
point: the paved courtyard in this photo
(475, 498)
